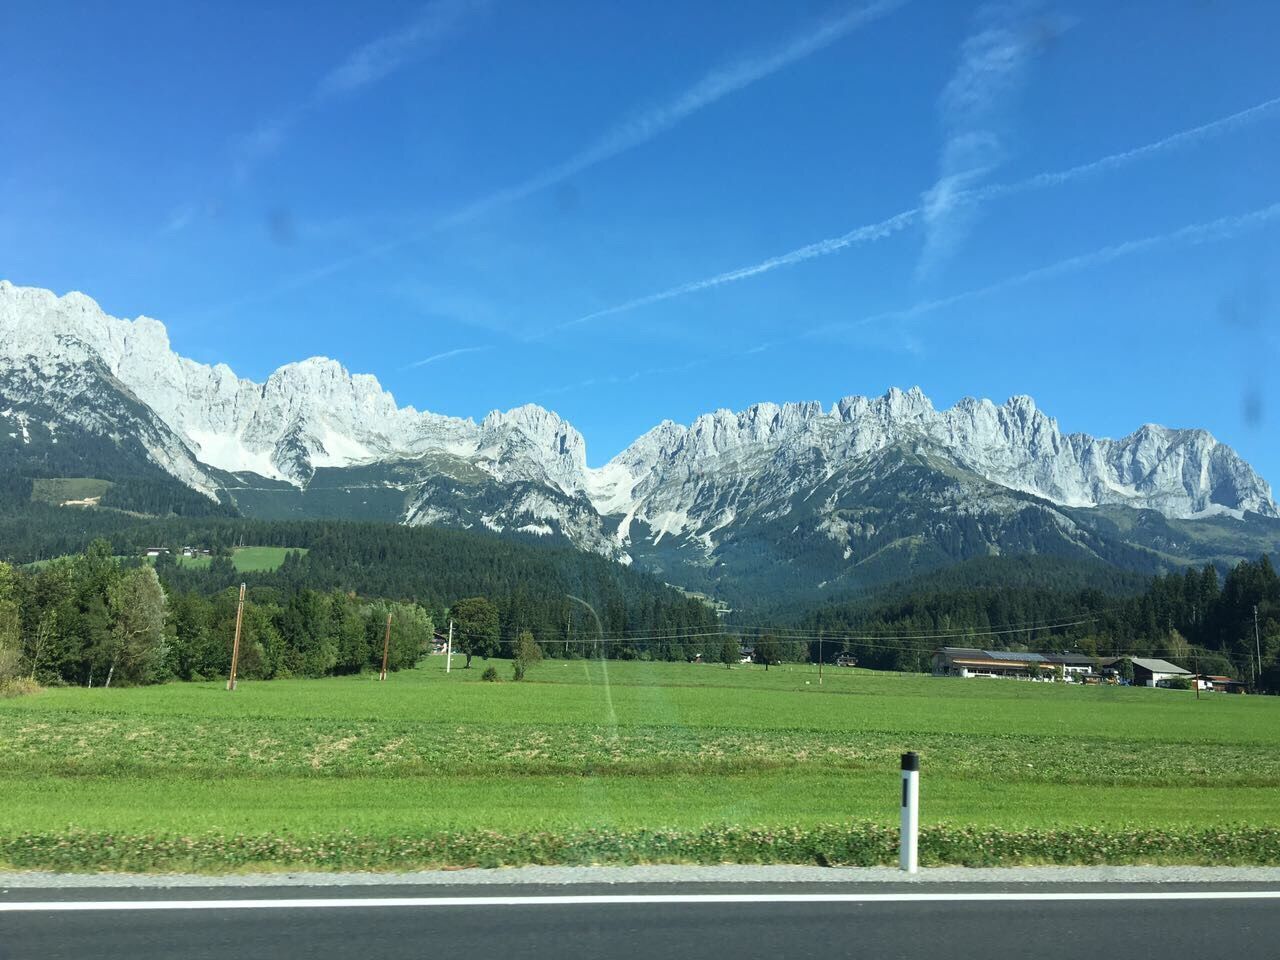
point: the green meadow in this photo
(628, 746)
(247, 559)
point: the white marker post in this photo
(909, 843)
(448, 650)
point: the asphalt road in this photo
(1117, 922)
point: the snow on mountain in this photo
(306, 415)
(694, 482)
(66, 360)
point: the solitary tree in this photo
(768, 651)
(730, 652)
(527, 653)
(137, 645)
(475, 622)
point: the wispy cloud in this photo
(974, 107)
(362, 68)
(180, 218)
(1194, 234)
(443, 356)
(639, 128)
(643, 126)
(375, 60)
(907, 218)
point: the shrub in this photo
(490, 674)
(18, 687)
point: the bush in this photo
(490, 674)
(18, 687)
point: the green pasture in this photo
(247, 559)
(629, 745)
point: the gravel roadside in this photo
(649, 874)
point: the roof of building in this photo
(1014, 656)
(1158, 666)
(1072, 659)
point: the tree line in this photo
(1191, 617)
(96, 620)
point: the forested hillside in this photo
(1180, 616)
(320, 612)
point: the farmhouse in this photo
(1221, 683)
(972, 662)
(1147, 671)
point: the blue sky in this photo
(627, 212)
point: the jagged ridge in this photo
(66, 360)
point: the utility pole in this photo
(235, 644)
(1196, 682)
(1257, 643)
(386, 647)
(448, 650)
(819, 659)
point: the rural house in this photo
(1147, 671)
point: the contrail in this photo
(864, 234)
(899, 221)
(1112, 161)
(443, 356)
(1194, 234)
(715, 86)
(641, 128)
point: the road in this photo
(964, 922)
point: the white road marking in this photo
(327, 903)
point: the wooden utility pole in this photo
(1257, 643)
(235, 644)
(386, 647)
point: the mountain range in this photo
(789, 499)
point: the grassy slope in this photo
(247, 559)
(57, 490)
(658, 745)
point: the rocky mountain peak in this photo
(698, 480)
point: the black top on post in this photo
(911, 761)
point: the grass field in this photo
(58, 490)
(248, 559)
(629, 746)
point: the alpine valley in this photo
(799, 499)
